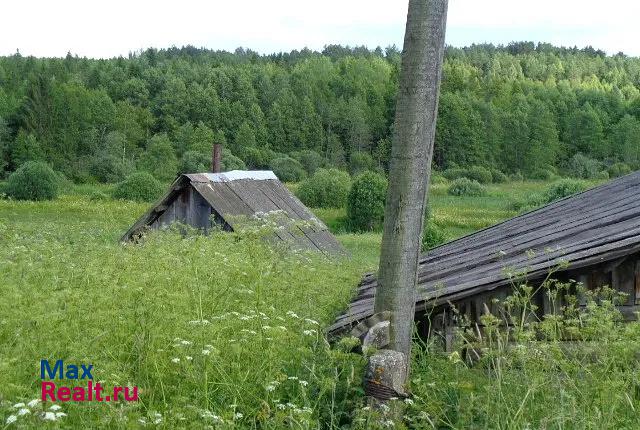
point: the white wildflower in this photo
(292, 314)
(199, 322)
(33, 403)
(206, 352)
(283, 328)
(142, 421)
(237, 416)
(309, 332)
(310, 321)
(189, 358)
(60, 414)
(49, 416)
(303, 383)
(55, 408)
(23, 411)
(292, 378)
(281, 406)
(19, 405)
(408, 401)
(11, 419)
(175, 360)
(185, 342)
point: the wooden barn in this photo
(230, 199)
(593, 236)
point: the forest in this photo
(532, 110)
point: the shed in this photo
(594, 236)
(230, 199)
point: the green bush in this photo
(139, 187)
(581, 166)
(97, 196)
(480, 174)
(288, 169)
(603, 176)
(542, 175)
(516, 177)
(365, 203)
(619, 169)
(454, 173)
(553, 192)
(437, 178)
(432, 236)
(231, 162)
(464, 187)
(360, 162)
(327, 188)
(34, 180)
(310, 160)
(194, 162)
(562, 189)
(498, 176)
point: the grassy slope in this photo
(69, 290)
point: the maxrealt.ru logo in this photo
(79, 393)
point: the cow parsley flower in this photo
(23, 411)
(175, 360)
(55, 408)
(49, 416)
(33, 403)
(11, 419)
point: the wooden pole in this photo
(216, 156)
(409, 172)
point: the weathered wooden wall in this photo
(622, 275)
(187, 208)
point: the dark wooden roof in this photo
(592, 227)
(236, 197)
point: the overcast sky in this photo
(106, 28)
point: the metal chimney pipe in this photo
(216, 156)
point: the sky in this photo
(108, 28)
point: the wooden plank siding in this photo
(197, 200)
(589, 229)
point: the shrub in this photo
(231, 162)
(432, 236)
(97, 196)
(542, 175)
(454, 173)
(437, 178)
(327, 188)
(619, 169)
(288, 169)
(498, 176)
(480, 174)
(604, 175)
(466, 187)
(310, 160)
(194, 162)
(139, 187)
(562, 189)
(516, 177)
(360, 162)
(34, 180)
(581, 166)
(553, 192)
(365, 203)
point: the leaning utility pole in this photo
(409, 172)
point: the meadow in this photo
(225, 332)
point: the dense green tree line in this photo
(521, 108)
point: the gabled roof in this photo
(237, 195)
(592, 227)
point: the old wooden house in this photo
(231, 199)
(592, 237)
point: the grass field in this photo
(223, 332)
